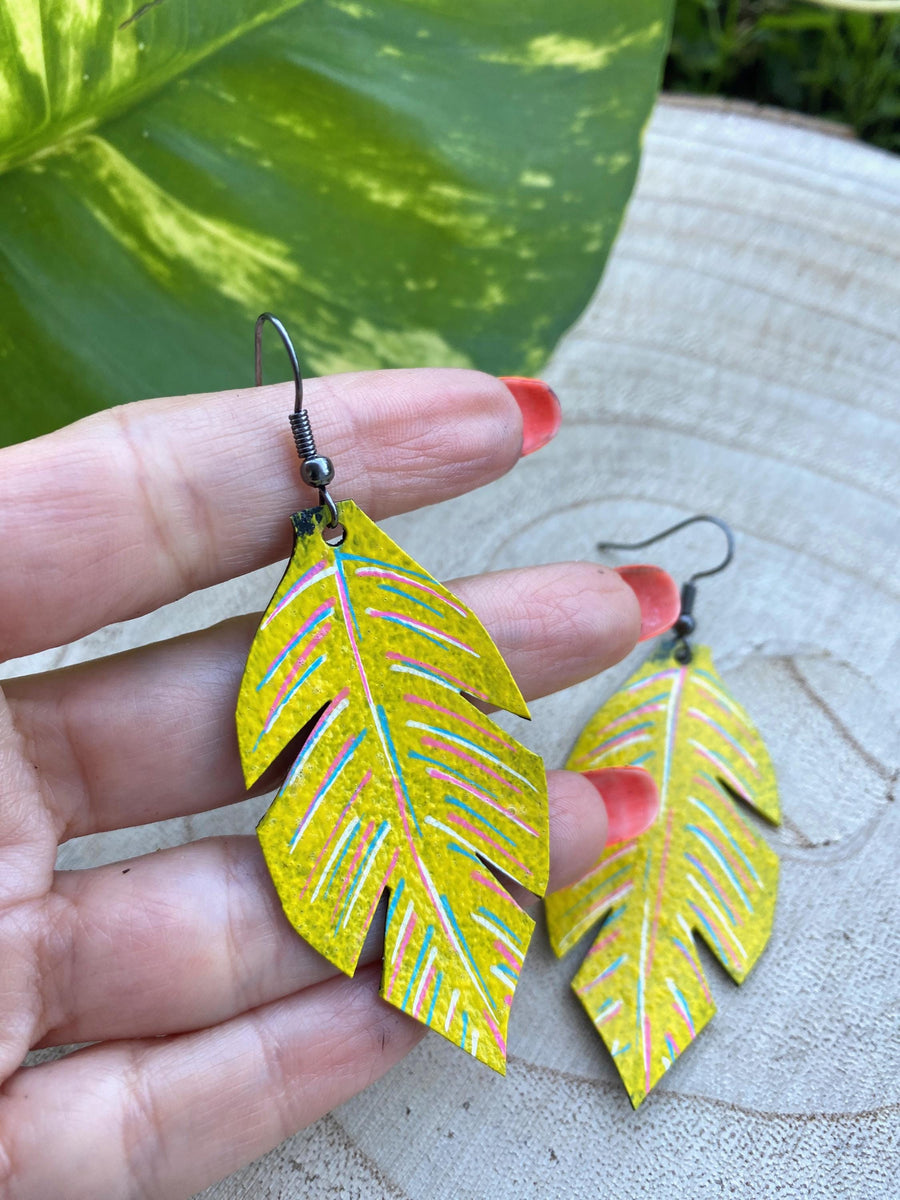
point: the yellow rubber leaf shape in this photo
(700, 870)
(401, 783)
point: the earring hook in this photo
(291, 353)
(686, 624)
(315, 469)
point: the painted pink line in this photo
(435, 773)
(502, 948)
(684, 1016)
(695, 968)
(732, 809)
(448, 712)
(489, 883)
(339, 698)
(429, 980)
(604, 942)
(640, 711)
(435, 744)
(723, 938)
(377, 573)
(605, 862)
(295, 637)
(420, 867)
(430, 667)
(289, 595)
(733, 711)
(423, 626)
(642, 683)
(647, 1035)
(317, 637)
(735, 865)
(409, 928)
(609, 1014)
(608, 900)
(622, 739)
(347, 611)
(495, 1030)
(467, 825)
(604, 974)
(745, 755)
(387, 875)
(660, 883)
(718, 766)
(333, 834)
(353, 865)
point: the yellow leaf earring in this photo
(699, 871)
(401, 786)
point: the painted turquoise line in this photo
(412, 629)
(722, 861)
(391, 566)
(383, 721)
(622, 733)
(462, 941)
(387, 587)
(438, 980)
(339, 563)
(396, 893)
(725, 958)
(423, 950)
(303, 678)
(726, 766)
(636, 762)
(604, 883)
(304, 632)
(452, 846)
(712, 883)
(506, 969)
(373, 846)
(684, 1004)
(478, 817)
(465, 1026)
(647, 867)
(436, 762)
(458, 737)
(726, 833)
(339, 766)
(613, 916)
(672, 1050)
(349, 842)
(621, 1050)
(492, 916)
(742, 751)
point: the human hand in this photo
(219, 1031)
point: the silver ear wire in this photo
(316, 469)
(686, 624)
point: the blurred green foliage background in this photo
(825, 62)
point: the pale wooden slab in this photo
(741, 357)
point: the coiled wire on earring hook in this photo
(316, 469)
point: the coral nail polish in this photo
(540, 408)
(631, 800)
(657, 594)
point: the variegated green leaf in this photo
(408, 182)
(700, 870)
(401, 785)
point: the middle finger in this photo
(149, 735)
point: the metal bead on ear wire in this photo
(699, 873)
(401, 786)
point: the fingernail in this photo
(657, 594)
(541, 413)
(631, 800)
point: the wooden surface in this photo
(741, 358)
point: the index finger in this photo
(133, 507)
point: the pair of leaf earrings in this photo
(402, 786)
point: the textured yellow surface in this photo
(401, 784)
(700, 869)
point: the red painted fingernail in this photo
(657, 594)
(541, 413)
(630, 798)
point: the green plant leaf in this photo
(409, 182)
